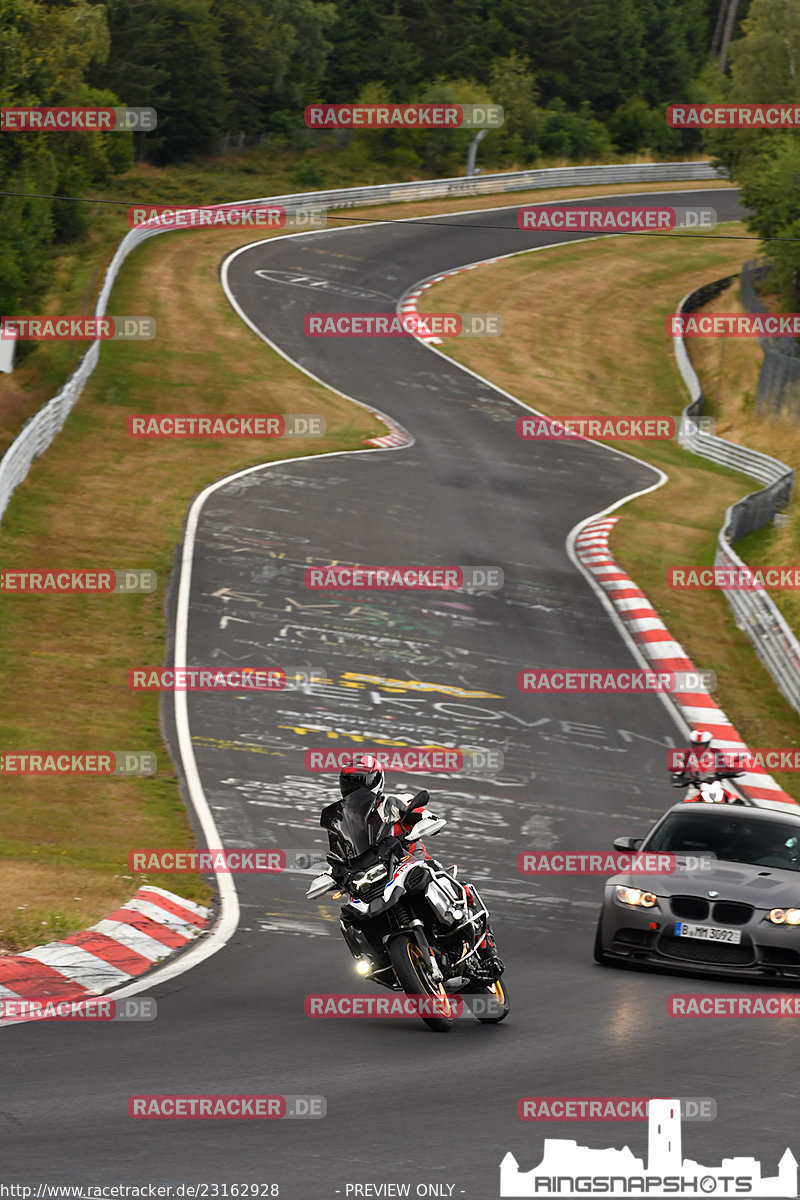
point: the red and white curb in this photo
(409, 302)
(148, 928)
(651, 635)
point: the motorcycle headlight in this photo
(371, 875)
(785, 916)
(636, 898)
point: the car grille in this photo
(728, 912)
(725, 912)
(719, 953)
(690, 908)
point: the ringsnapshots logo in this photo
(409, 324)
(613, 428)
(78, 762)
(404, 116)
(77, 329)
(404, 578)
(567, 1169)
(616, 219)
(51, 581)
(72, 119)
(433, 760)
(220, 425)
(229, 216)
(618, 682)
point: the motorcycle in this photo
(410, 925)
(708, 787)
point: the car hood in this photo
(763, 887)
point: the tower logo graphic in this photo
(568, 1169)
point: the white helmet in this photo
(700, 738)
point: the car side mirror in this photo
(627, 843)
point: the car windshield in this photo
(733, 837)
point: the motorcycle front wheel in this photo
(499, 993)
(413, 975)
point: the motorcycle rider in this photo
(700, 752)
(366, 772)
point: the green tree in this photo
(45, 51)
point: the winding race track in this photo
(403, 1104)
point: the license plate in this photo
(708, 933)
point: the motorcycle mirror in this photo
(322, 884)
(427, 827)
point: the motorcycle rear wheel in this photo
(415, 979)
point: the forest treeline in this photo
(579, 80)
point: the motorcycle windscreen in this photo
(354, 823)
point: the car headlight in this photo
(636, 898)
(785, 916)
(370, 876)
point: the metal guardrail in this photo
(755, 611)
(37, 434)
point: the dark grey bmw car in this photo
(731, 906)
